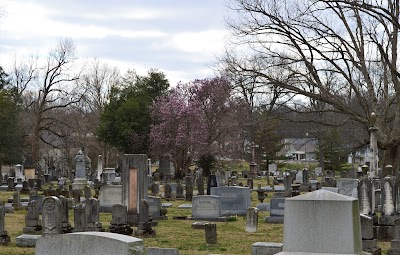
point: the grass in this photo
(232, 238)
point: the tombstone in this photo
(82, 163)
(346, 186)
(87, 191)
(200, 187)
(77, 196)
(300, 226)
(155, 207)
(93, 211)
(80, 218)
(188, 188)
(135, 184)
(272, 168)
(287, 182)
(51, 216)
(365, 196)
(167, 191)
(4, 237)
(66, 226)
(206, 207)
(305, 182)
(211, 234)
(395, 243)
(166, 169)
(33, 224)
(119, 220)
(388, 200)
(155, 189)
(25, 187)
(109, 195)
(234, 200)
(10, 184)
(17, 200)
(39, 198)
(251, 220)
(369, 242)
(179, 191)
(211, 182)
(277, 210)
(144, 228)
(104, 178)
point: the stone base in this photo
(148, 233)
(79, 184)
(4, 239)
(27, 240)
(384, 233)
(305, 187)
(266, 248)
(121, 229)
(274, 219)
(32, 230)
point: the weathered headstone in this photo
(87, 192)
(51, 216)
(211, 234)
(365, 196)
(155, 189)
(251, 220)
(346, 186)
(82, 162)
(287, 182)
(80, 218)
(277, 210)
(388, 201)
(179, 191)
(167, 191)
(369, 242)
(395, 243)
(134, 184)
(188, 188)
(144, 228)
(109, 195)
(17, 200)
(33, 224)
(155, 207)
(119, 220)
(66, 226)
(206, 207)
(4, 237)
(93, 217)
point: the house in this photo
(299, 148)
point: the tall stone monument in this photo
(82, 162)
(374, 160)
(134, 184)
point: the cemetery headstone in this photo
(346, 186)
(188, 188)
(25, 187)
(211, 182)
(395, 243)
(17, 200)
(211, 234)
(87, 191)
(33, 224)
(109, 195)
(234, 200)
(144, 228)
(251, 220)
(388, 201)
(134, 184)
(93, 217)
(51, 216)
(80, 217)
(167, 191)
(66, 226)
(155, 189)
(179, 191)
(369, 242)
(206, 207)
(365, 196)
(4, 237)
(155, 206)
(287, 182)
(119, 220)
(277, 210)
(82, 162)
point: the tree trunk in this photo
(391, 157)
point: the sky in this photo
(181, 38)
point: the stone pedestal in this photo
(79, 184)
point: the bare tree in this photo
(46, 87)
(342, 53)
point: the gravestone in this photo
(134, 184)
(93, 217)
(200, 187)
(272, 168)
(10, 184)
(109, 195)
(155, 189)
(25, 187)
(234, 200)
(251, 220)
(395, 243)
(365, 196)
(39, 199)
(155, 206)
(211, 182)
(167, 191)
(82, 163)
(33, 224)
(66, 226)
(51, 216)
(89, 243)
(346, 186)
(119, 220)
(305, 183)
(206, 207)
(388, 201)
(369, 242)
(277, 210)
(87, 192)
(287, 182)
(211, 234)
(250, 183)
(80, 218)
(303, 236)
(188, 188)
(17, 200)
(144, 227)
(179, 191)
(4, 238)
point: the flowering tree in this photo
(179, 132)
(197, 119)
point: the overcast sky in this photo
(179, 37)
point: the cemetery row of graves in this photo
(225, 213)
